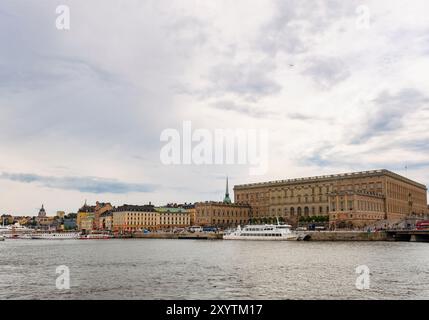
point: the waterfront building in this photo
(70, 222)
(130, 218)
(99, 209)
(47, 223)
(44, 222)
(85, 218)
(106, 221)
(221, 214)
(61, 214)
(21, 220)
(190, 208)
(356, 199)
(172, 216)
(7, 219)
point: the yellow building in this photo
(85, 218)
(7, 219)
(130, 218)
(350, 199)
(190, 208)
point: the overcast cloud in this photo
(81, 111)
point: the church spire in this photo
(227, 198)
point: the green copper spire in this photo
(227, 199)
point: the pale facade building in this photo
(173, 217)
(131, 218)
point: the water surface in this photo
(199, 269)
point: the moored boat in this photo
(262, 232)
(53, 236)
(95, 236)
(14, 231)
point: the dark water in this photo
(188, 269)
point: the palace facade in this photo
(221, 214)
(350, 199)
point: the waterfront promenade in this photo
(390, 235)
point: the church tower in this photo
(42, 212)
(227, 199)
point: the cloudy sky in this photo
(82, 110)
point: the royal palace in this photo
(356, 199)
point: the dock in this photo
(389, 235)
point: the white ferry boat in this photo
(55, 235)
(262, 232)
(14, 231)
(95, 236)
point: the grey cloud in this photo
(82, 184)
(390, 111)
(327, 71)
(256, 112)
(306, 117)
(187, 32)
(249, 80)
(295, 22)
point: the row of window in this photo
(227, 221)
(222, 213)
(299, 210)
(362, 216)
(262, 234)
(301, 191)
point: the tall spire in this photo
(227, 199)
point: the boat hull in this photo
(58, 236)
(260, 238)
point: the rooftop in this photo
(130, 207)
(332, 177)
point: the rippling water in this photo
(188, 269)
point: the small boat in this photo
(2, 238)
(262, 232)
(95, 236)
